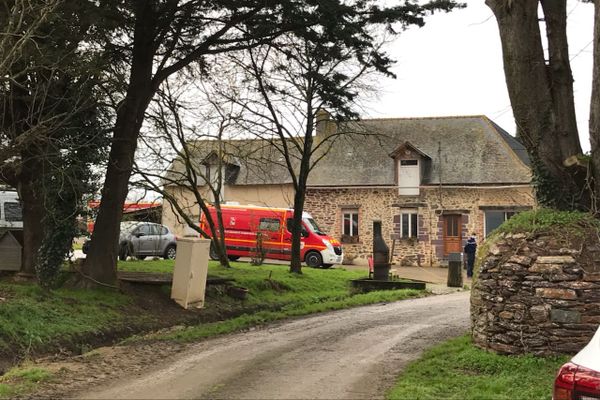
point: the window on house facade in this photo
(408, 224)
(409, 162)
(493, 219)
(350, 225)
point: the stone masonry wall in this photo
(536, 294)
(327, 207)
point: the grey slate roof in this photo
(469, 150)
(249, 162)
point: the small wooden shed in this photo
(10, 252)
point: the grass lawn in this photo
(458, 370)
(19, 381)
(31, 318)
(276, 294)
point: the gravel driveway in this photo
(348, 354)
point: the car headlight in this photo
(328, 244)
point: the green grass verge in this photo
(277, 292)
(21, 380)
(31, 318)
(458, 370)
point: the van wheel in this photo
(212, 253)
(313, 259)
(233, 258)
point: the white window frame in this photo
(410, 212)
(351, 213)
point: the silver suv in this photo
(144, 239)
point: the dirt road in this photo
(355, 353)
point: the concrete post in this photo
(190, 272)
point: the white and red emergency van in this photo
(242, 224)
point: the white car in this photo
(579, 379)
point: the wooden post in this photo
(455, 278)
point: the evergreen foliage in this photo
(52, 126)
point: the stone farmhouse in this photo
(430, 181)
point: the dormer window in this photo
(409, 169)
(409, 177)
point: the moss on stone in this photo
(543, 219)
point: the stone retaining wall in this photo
(536, 294)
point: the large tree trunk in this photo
(33, 214)
(561, 77)
(100, 264)
(595, 105)
(542, 97)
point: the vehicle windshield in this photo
(312, 225)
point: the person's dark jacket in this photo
(470, 248)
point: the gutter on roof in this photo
(480, 186)
(353, 187)
(433, 186)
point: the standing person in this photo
(470, 250)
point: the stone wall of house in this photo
(536, 294)
(328, 205)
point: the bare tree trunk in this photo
(296, 260)
(220, 239)
(595, 103)
(300, 194)
(542, 98)
(101, 261)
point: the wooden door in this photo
(452, 234)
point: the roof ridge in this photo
(424, 118)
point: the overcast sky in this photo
(453, 66)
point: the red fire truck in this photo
(243, 224)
